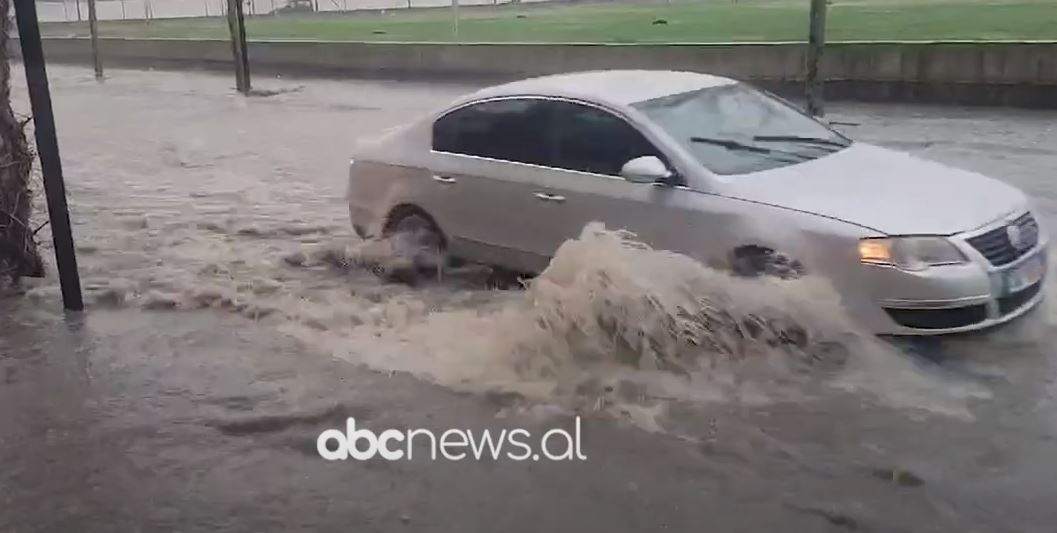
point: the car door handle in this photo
(547, 197)
(443, 179)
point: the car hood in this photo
(884, 190)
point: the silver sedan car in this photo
(714, 169)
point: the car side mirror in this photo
(645, 169)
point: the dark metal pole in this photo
(816, 43)
(241, 84)
(93, 28)
(245, 57)
(48, 150)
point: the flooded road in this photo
(231, 322)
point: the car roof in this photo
(620, 87)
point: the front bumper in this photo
(957, 298)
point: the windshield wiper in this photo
(731, 144)
(796, 138)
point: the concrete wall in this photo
(993, 73)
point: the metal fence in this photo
(73, 10)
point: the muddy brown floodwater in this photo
(231, 321)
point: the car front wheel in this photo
(756, 261)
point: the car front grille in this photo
(939, 318)
(997, 247)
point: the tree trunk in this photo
(18, 251)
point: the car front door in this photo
(589, 146)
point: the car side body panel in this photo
(484, 211)
(517, 215)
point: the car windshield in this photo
(734, 129)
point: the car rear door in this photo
(485, 156)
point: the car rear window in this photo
(510, 130)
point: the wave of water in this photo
(611, 324)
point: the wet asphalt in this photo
(137, 417)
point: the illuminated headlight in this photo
(910, 253)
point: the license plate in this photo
(1024, 275)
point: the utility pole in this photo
(48, 151)
(245, 47)
(78, 3)
(93, 28)
(455, 17)
(816, 43)
(237, 28)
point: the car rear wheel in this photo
(417, 243)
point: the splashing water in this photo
(614, 324)
(611, 324)
(608, 296)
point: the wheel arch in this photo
(402, 210)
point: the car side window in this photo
(509, 130)
(589, 139)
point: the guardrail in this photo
(1017, 73)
